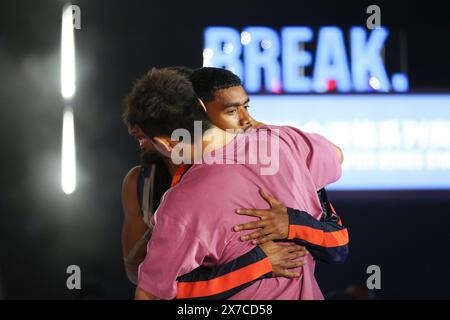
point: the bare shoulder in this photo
(130, 201)
(131, 177)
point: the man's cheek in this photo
(229, 122)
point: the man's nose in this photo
(244, 118)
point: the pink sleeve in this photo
(322, 161)
(320, 155)
(172, 251)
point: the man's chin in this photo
(149, 157)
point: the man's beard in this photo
(149, 157)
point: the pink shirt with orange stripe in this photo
(194, 223)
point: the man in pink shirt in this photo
(193, 225)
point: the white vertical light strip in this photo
(67, 54)
(68, 161)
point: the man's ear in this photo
(202, 104)
(162, 145)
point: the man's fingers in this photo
(254, 235)
(294, 264)
(268, 197)
(251, 212)
(289, 274)
(264, 239)
(250, 226)
(295, 255)
(295, 248)
(300, 253)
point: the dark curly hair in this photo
(182, 70)
(162, 101)
(208, 80)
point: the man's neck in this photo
(215, 138)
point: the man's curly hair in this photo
(162, 101)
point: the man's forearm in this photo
(132, 272)
(135, 258)
(143, 295)
(326, 240)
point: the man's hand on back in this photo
(274, 223)
(284, 257)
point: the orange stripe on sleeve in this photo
(318, 237)
(180, 171)
(224, 283)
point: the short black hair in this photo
(162, 101)
(208, 80)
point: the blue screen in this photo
(390, 141)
